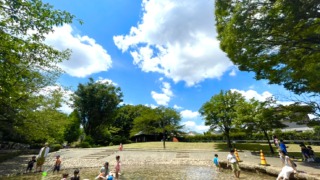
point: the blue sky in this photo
(158, 52)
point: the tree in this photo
(97, 104)
(161, 120)
(73, 130)
(278, 40)
(44, 123)
(124, 119)
(27, 64)
(260, 116)
(219, 112)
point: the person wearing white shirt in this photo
(231, 159)
(43, 153)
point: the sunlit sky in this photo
(159, 52)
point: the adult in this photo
(288, 168)
(283, 147)
(304, 152)
(43, 153)
(231, 159)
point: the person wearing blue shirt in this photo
(216, 161)
(283, 147)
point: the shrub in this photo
(56, 147)
(84, 145)
(110, 144)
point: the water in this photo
(153, 172)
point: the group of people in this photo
(104, 174)
(307, 153)
(231, 161)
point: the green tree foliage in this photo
(124, 120)
(277, 39)
(27, 64)
(161, 120)
(42, 123)
(73, 130)
(97, 104)
(220, 112)
(260, 116)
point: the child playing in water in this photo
(216, 162)
(75, 175)
(117, 167)
(57, 164)
(31, 163)
(105, 172)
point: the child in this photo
(75, 175)
(31, 163)
(65, 176)
(216, 162)
(231, 159)
(104, 171)
(117, 167)
(57, 164)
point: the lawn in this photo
(293, 149)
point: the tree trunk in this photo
(266, 135)
(164, 141)
(228, 138)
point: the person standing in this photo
(231, 159)
(216, 162)
(43, 153)
(275, 141)
(117, 167)
(57, 164)
(283, 147)
(288, 168)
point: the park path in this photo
(95, 157)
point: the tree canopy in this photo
(27, 64)
(279, 40)
(161, 120)
(97, 104)
(260, 116)
(220, 112)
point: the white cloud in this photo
(177, 39)
(152, 106)
(233, 72)
(177, 107)
(164, 97)
(260, 97)
(254, 94)
(106, 81)
(66, 105)
(192, 126)
(188, 114)
(87, 56)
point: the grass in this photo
(293, 149)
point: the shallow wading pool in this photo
(153, 172)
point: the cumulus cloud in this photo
(87, 56)
(177, 107)
(260, 97)
(254, 94)
(177, 39)
(188, 114)
(164, 97)
(106, 81)
(192, 126)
